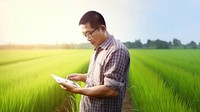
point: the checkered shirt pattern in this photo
(109, 65)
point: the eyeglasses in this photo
(89, 34)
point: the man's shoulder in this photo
(117, 45)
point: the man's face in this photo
(93, 35)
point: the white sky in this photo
(56, 21)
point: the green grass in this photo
(159, 80)
(174, 70)
(151, 94)
(26, 84)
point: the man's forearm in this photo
(96, 91)
(84, 77)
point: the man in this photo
(107, 76)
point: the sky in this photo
(56, 21)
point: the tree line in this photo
(137, 44)
(160, 44)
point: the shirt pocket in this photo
(98, 72)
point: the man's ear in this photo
(103, 27)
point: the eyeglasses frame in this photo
(89, 34)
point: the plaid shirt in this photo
(109, 66)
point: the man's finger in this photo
(63, 87)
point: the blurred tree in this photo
(138, 44)
(161, 44)
(176, 43)
(128, 44)
(192, 45)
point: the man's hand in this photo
(96, 91)
(77, 77)
(67, 87)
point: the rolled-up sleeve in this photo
(115, 76)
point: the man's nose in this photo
(88, 38)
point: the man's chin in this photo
(94, 44)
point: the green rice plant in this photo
(150, 93)
(185, 85)
(187, 60)
(27, 86)
(14, 56)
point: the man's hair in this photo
(95, 19)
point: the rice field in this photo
(159, 80)
(26, 83)
(165, 80)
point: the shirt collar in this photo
(106, 43)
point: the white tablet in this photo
(66, 81)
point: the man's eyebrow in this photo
(86, 32)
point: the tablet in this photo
(66, 81)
